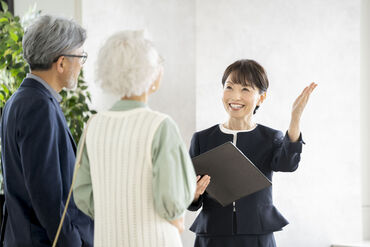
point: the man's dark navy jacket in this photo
(38, 155)
(270, 151)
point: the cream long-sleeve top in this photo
(173, 185)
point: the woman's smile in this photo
(236, 106)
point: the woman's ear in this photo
(261, 99)
(156, 84)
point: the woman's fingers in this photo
(309, 91)
(204, 179)
(202, 184)
(304, 96)
(306, 91)
(310, 88)
(301, 101)
(205, 187)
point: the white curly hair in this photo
(128, 64)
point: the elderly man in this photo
(38, 151)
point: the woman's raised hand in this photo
(202, 184)
(297, 110)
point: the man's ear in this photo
(60, 64)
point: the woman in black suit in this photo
(251, 220)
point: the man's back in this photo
(38, 154)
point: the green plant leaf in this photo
(8, 15)
(2, 61)
(4, 6)
(13, 35)
(15, 48)
(2, 94)
(3, 19)
(18, 65)
(9, 58)
(5, 88)
(21, 74)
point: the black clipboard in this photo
(233, 175)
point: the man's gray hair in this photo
(48, 38)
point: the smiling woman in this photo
(251, 220)
(245, 85)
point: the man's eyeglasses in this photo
(82, 57)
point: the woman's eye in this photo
(228, 87)
(245, 89)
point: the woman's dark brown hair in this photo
(247, 73)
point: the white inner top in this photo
(234, 132)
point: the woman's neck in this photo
(141, 98)
(240, 124)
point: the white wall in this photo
(297, 42)
(365, 115)
(66, 8)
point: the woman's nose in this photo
(236, 95)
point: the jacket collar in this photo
(46, 85)
(29, 82)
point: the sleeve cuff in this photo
(194, 206)
(294, 147)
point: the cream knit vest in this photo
(119, 149)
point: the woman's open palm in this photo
(301, 102)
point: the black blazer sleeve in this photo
(195, 151)
(194, 146)
(287, 154)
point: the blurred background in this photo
(327, 200)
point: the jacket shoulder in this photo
(30, 91)
(209, 131)
(29, 99)
(270, 132)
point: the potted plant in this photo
(13, 69)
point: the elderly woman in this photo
(136, 177)
(249, 221)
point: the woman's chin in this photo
(236, 114)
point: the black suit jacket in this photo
(270, 151)
(38, 155)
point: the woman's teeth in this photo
(236, 106)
